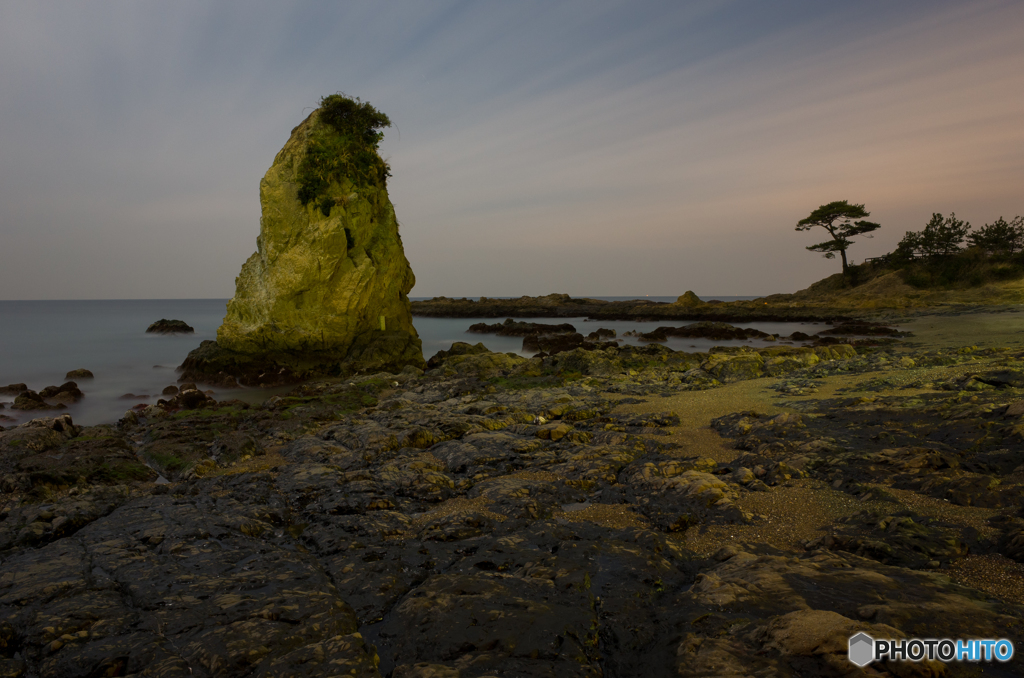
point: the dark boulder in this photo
(458, 348)
(705, 329)
(551, 344)
(188, 399)
(13, 389)
(67, 392)
(1002, 378)
(30, 400)
(513, 328)
(80, 373)
(165, 326)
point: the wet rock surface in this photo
(549, 344)
(503, 516)
(865, 329)
(512, 328)
(704, 329)
(547, 339)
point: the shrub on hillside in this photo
(999, 237)
(940, 237)
(936, 257)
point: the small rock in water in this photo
(170, 390)
(80, 373)
(188, 399)
(164, 326)
(67, 392)
(30, 400)
(13, 389)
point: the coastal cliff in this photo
(327, 289)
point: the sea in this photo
(41, 341)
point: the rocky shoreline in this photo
(564, 306)
(617, 511)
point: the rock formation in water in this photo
(689, 299)
(165, 326)
(326, 291)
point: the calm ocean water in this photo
(40, 341)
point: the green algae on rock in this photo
(327, 289)
(689, 299)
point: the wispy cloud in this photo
(587, 147)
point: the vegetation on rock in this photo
(343, 147)
(689, 299)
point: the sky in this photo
(583, 147)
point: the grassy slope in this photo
(880, 287)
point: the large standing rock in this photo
(326, 291)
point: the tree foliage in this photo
(354, 118)
(342, 145)
(942, 236)
(947, 254)
(999, 237)
(842, 221)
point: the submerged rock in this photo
(80, 373)
(326, 291)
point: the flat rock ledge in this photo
(564, 306)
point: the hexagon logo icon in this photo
(862, 649)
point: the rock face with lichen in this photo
(326, 290)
